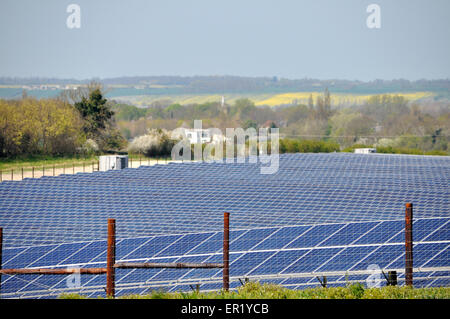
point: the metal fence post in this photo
(22, 172)
(32, 171)
(12, 174)
(73, 168)
(409, 245)
(53, 169)
(392, 278)
(226, 251)
(111, 258)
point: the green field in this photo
(7, 164)
(38, 161)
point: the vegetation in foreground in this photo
(255, 290)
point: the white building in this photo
(365, 150)
(198, 135)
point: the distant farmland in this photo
(265, 98)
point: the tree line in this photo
(75, 122)
(84, 122)
(382, 120)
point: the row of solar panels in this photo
(285, 252)
(308, 188)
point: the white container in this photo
(365, 150)
(108, 162)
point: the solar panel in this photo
(279, 260)
(320, 213)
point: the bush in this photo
(155, 143)
(307, 146)
(412, 151)
(89, 148)
(256, 290)
(39, 127)
(395, 150)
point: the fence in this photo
(375, 253)
(112, 265)
(19, 174)
(47, 170)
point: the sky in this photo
(322, 39)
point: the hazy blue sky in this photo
(294, 39)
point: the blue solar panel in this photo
(318, 213)
(181, 198)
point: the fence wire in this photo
(296, 257)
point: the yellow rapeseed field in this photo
(336, 98)
(267, 98)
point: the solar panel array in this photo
(181, 198)
(348, 210)
(291, 255)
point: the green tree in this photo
(311, 103)
(327, 101)
(95, 113)
(250, 123)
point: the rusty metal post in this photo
(226, 251)
(32, 171)
(111, 258)
(22, 172)
(409, 245)
(43, 170)
(12, 174)
(1, 176)
(84, 166)
(53, 169)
